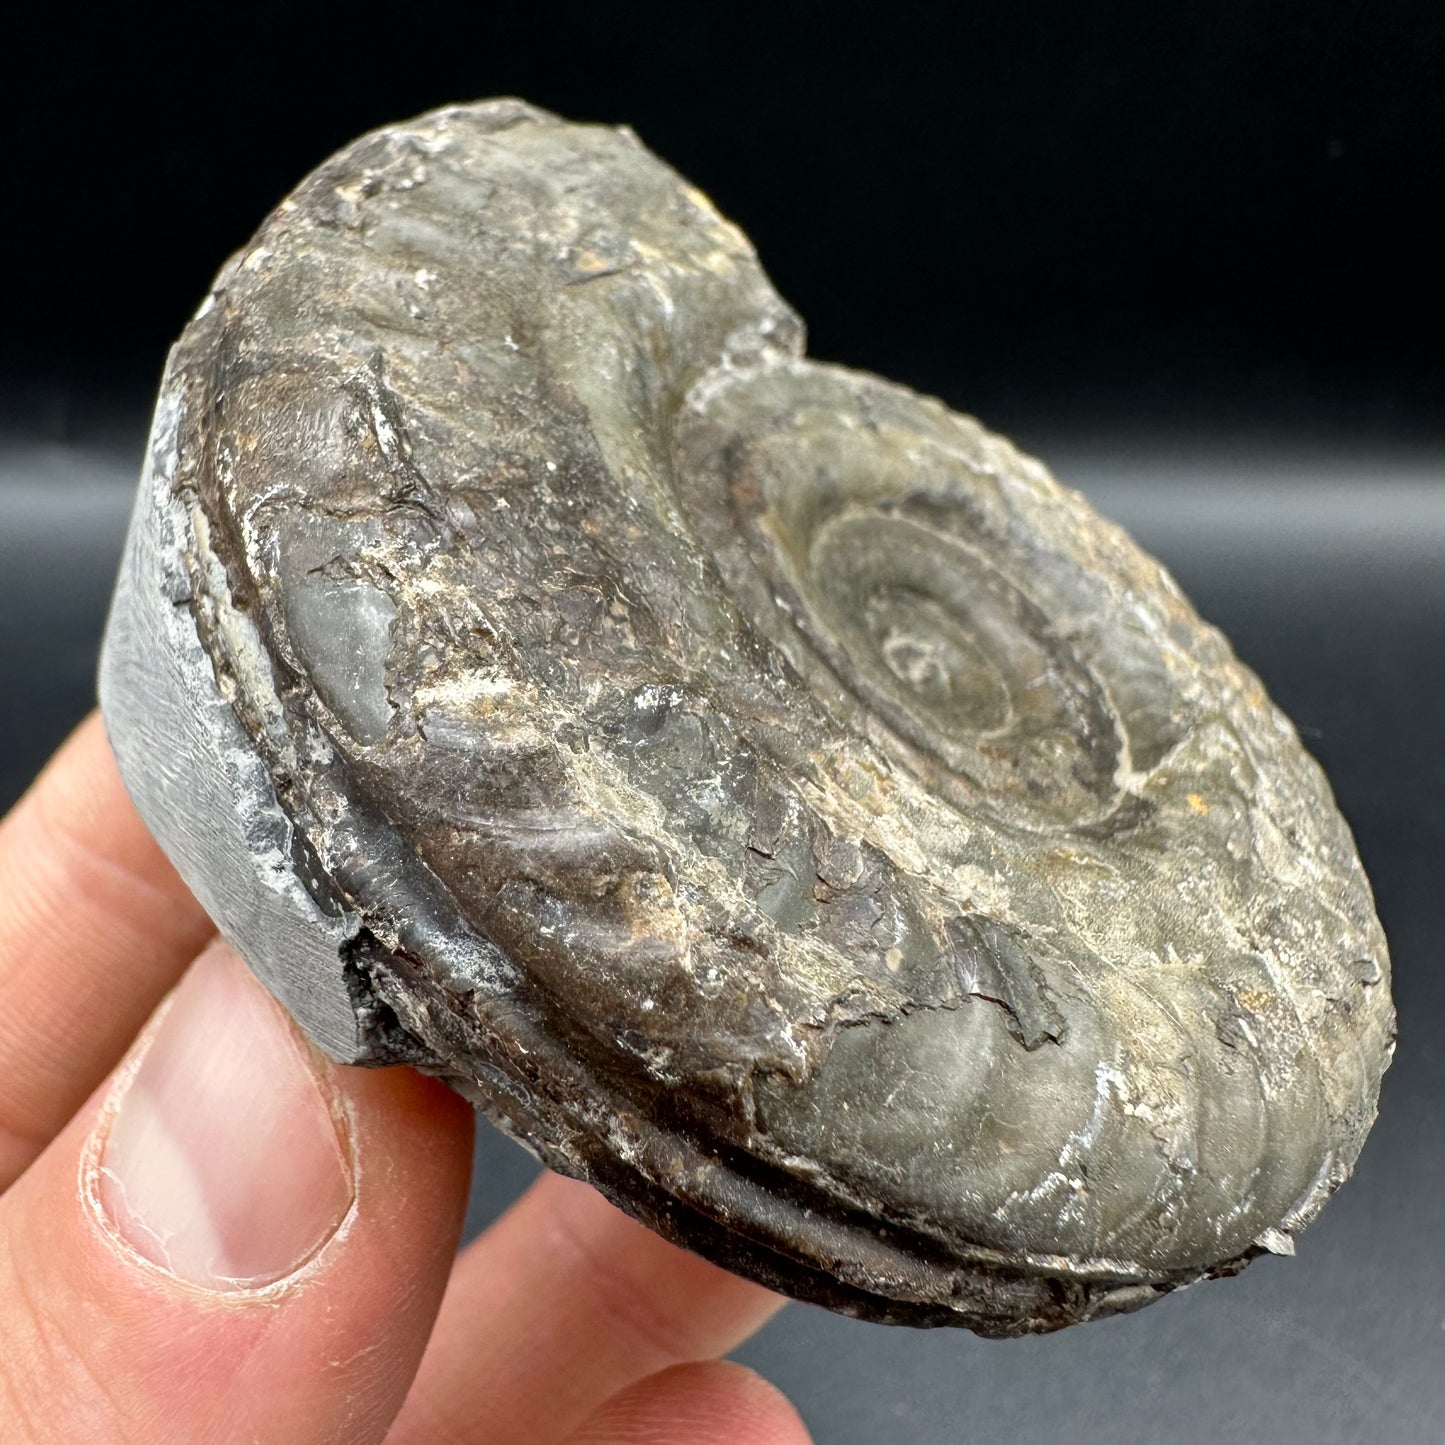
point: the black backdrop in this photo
(1203, 214)
(1183, 250)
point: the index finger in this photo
(95, 926)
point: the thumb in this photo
(236, 1240)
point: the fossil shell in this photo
(765, 792)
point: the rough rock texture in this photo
(765, 792)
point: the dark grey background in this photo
(1219, 212)
(1183, 252)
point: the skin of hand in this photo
(211, 1234)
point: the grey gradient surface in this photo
(1328, 572)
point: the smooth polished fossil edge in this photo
(764, 792)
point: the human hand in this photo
(210, 1234)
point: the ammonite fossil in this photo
(766, 793)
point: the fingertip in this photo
(713, 1402)
(259, 1243)
(414, 1138)
(564, 1276)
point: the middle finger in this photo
(558, 1306)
